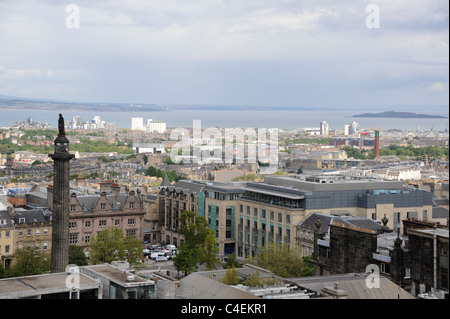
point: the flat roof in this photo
(439, 232)
(337, 183)
(274, 193)
(119, 276)
(28, 286)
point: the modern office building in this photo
(371, 198)
(248, 216)
(137, 124)
(324, 128)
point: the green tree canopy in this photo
(199, 246)
(77, 256)
(280, 260)
(28, 261)
(111, 244)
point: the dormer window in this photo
(22, 220)
(103, 206)
(131, 205)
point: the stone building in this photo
(417, 262)
(172, 202)
(33, 226)
(91, 214)
(429, 249)
(6, 236)
(344, 245)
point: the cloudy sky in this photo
(228, 52)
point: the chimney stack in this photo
(377, 144)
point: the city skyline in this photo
(300, 54)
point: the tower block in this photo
(60, 220)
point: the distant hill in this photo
(404, 115)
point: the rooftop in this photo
(32, 286)
(354, 284)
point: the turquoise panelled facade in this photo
(201, 204)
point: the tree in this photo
(28, 261)
(107, 246)
(133, 250)
(111, 245)
(280, 260)
(231, 276)
(76, 256)
(199, 246)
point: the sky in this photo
(292, 53)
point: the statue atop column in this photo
(61, 125)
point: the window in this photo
(272, 215)
(385, 268)
(21, 220)
(280, 217)
(117, 222)
(102, 223)
(131, 233)
(425, 215)
(45, 231)
(38, 232)
(72, 208)
(255, 212)
(87, 224)
(87, 238)
(407, 272)
(73, 239)
(45, 246)
(428, 270)
(28, 232)
(288, 219)
(103, 206)
(132, 205)
(131, 221)
(20, 233)
(263, 213)
(72, 225)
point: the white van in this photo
(156, 255)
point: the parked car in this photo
(161, 258)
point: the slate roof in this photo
(198, 286)
(4, 215)
(166, 181)
(37, 215)
(326, 220)
(440, 212)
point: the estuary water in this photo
(236, 119)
